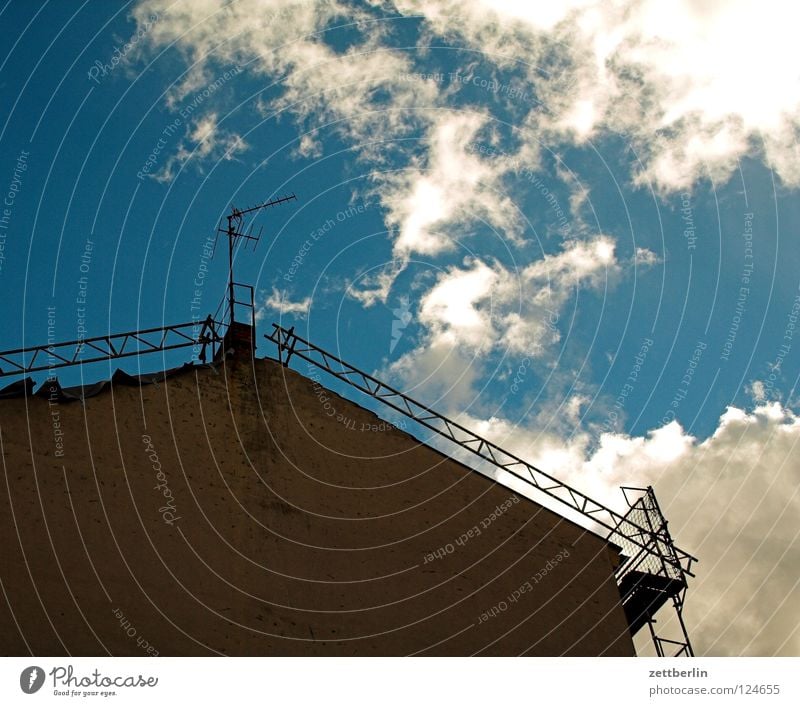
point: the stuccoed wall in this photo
(248, 511)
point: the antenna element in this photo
(235, 231)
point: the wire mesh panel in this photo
(646, 542)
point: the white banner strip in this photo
(387, 681)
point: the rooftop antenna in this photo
(236, 230)
(198, 334)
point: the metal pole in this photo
(230, 269)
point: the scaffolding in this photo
(650, 576)
(653, 571)
(197, 334)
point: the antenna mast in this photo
(236, 230)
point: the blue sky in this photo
(498, 207)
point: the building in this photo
(243, 509)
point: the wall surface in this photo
(244, 510)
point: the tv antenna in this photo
(199, 335)
(235, 231)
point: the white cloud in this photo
(284, 41)
(515, 311)
(646, 258)
(457, 310)
(432, 205)
(452, 185)
(339, 92)
(591, 262)
(758, 391)
(476, 309)
(279, 301)
(694, 85)
(205, 141)
(447, 375)
(373, 288)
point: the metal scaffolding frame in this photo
(654, 569)
(22, 361)
(648, 579)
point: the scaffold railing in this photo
(31, 359)
(649, 578)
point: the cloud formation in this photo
(318, 86)
(279, 301)
(205, 140)
(695, 87)
(479, 309)
(452, 185)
